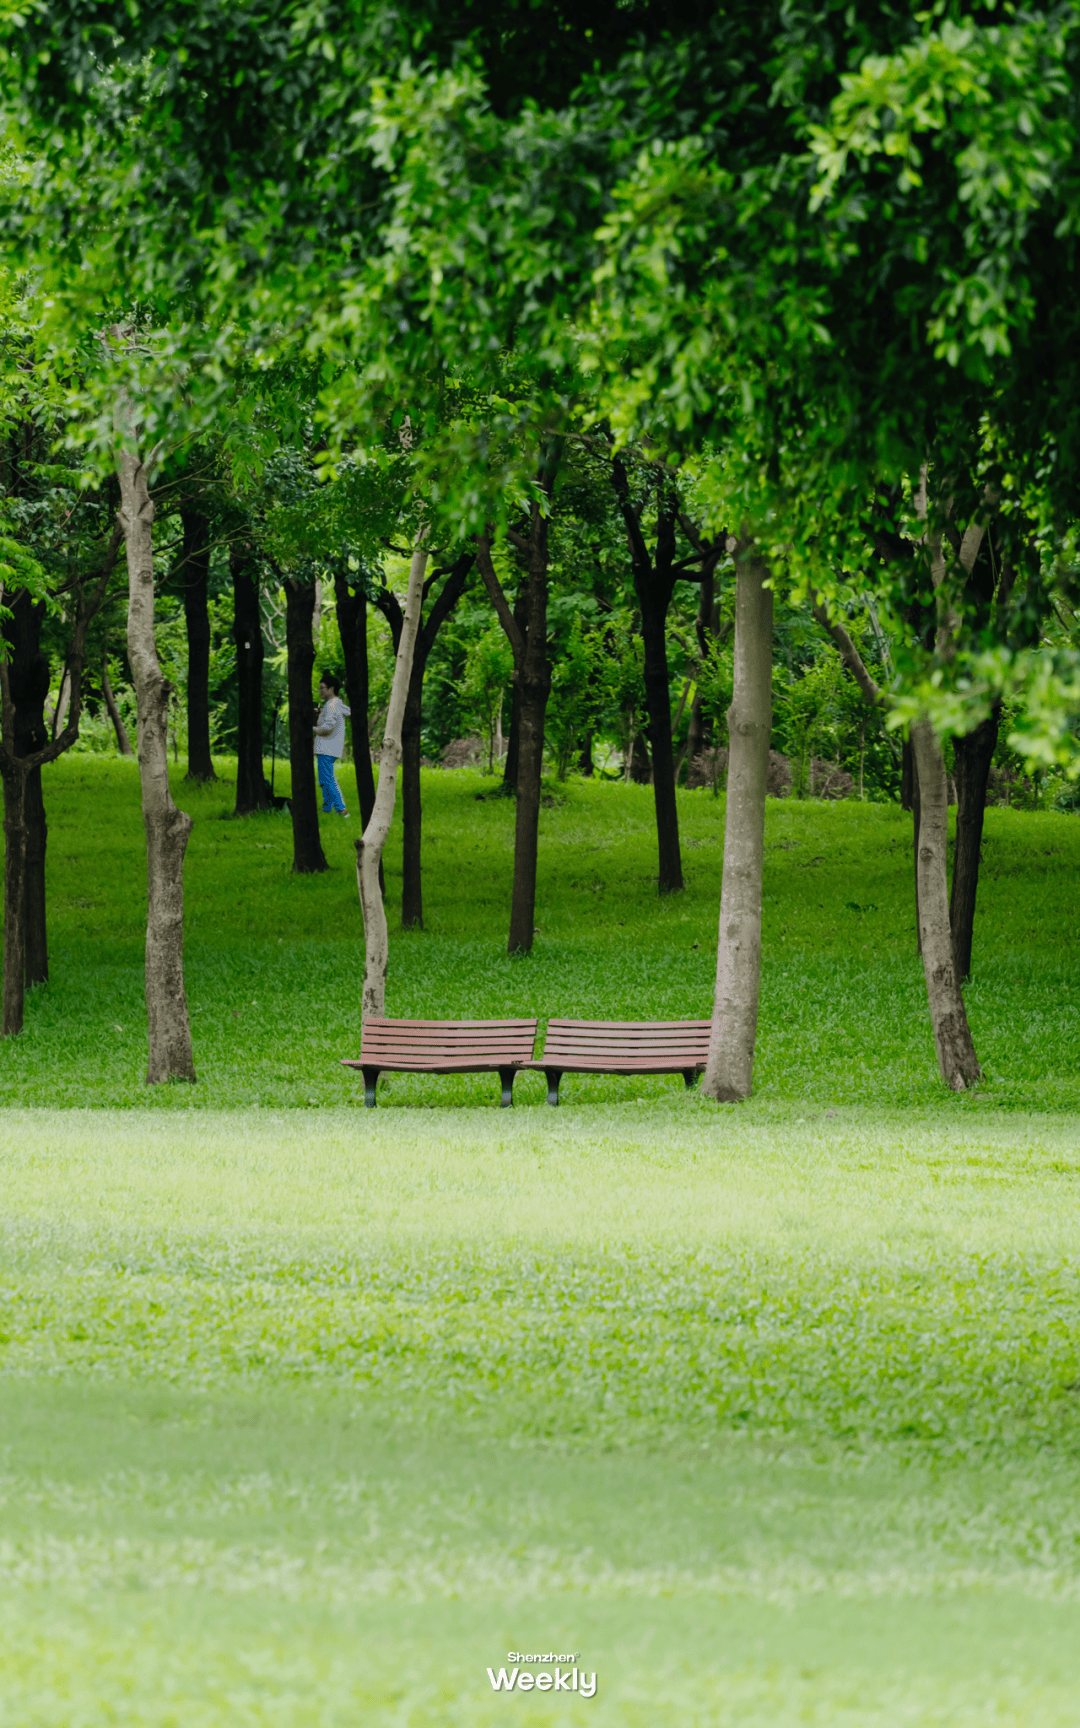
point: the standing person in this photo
(330, 742)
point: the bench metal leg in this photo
(506, 1075)
(371, 1077)
(553, 1076)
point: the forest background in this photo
(555, 450)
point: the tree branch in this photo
(850, 655)
(498, 598)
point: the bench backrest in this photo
(683, 1043)
(431, 1042)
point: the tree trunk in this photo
(35, 927)
(973, 755)
(167, 828)
(513, 740)
(412, 887)
(695, 737)
(196, 573)
(251, 793)
(638, 767)
(916, 813)
(308, 855)
(654, 585)
(729, 1070)
(956, 1052)
(123, 742)
(14, 783)
(535, 687)
(63, 696)
(352, 624)
(369, 848)
(585, 761)
(658, 703)
(28, 682)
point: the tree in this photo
(456, 576)
(308, 855)
(195, 577)
(352, 604)
(729, 1069)
(251, 791)
(369, 847)
(23, 752)
(532, 683)
(167, 827)
(654, 584)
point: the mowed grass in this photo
(309, 1414)
(274, 961)
(310, 1417)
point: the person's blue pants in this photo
(331, 791)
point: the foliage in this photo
(489, 669)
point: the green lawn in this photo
(309, 1415)
(274, 961)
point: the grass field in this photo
(309, 1415)
(274, 961)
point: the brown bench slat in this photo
(447, 1025)
(622, 1047)
(619, 1026)
(434, 1046)
(443, 1047)
(698, 1042)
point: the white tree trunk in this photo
(369, 848)
(729, 1070)
(167, 828)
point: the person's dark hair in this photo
(331, 680)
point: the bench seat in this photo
(622, 1047)
(443, 1047)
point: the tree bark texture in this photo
(14, 783)
(412, 886)
(251, 793)
(123, 742)
(535, 688)
(35, 922)
(28, 674)
(654, 585)
(308, 855)
(63, 697)
(369, 848)
(952, 1036)
(729, 1070)
(513, 737)
(973, 755)
(532, 687)
(352, 625)
(167, 828)
(196, 579)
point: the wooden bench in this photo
(622, 1047)
(444, 1047)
